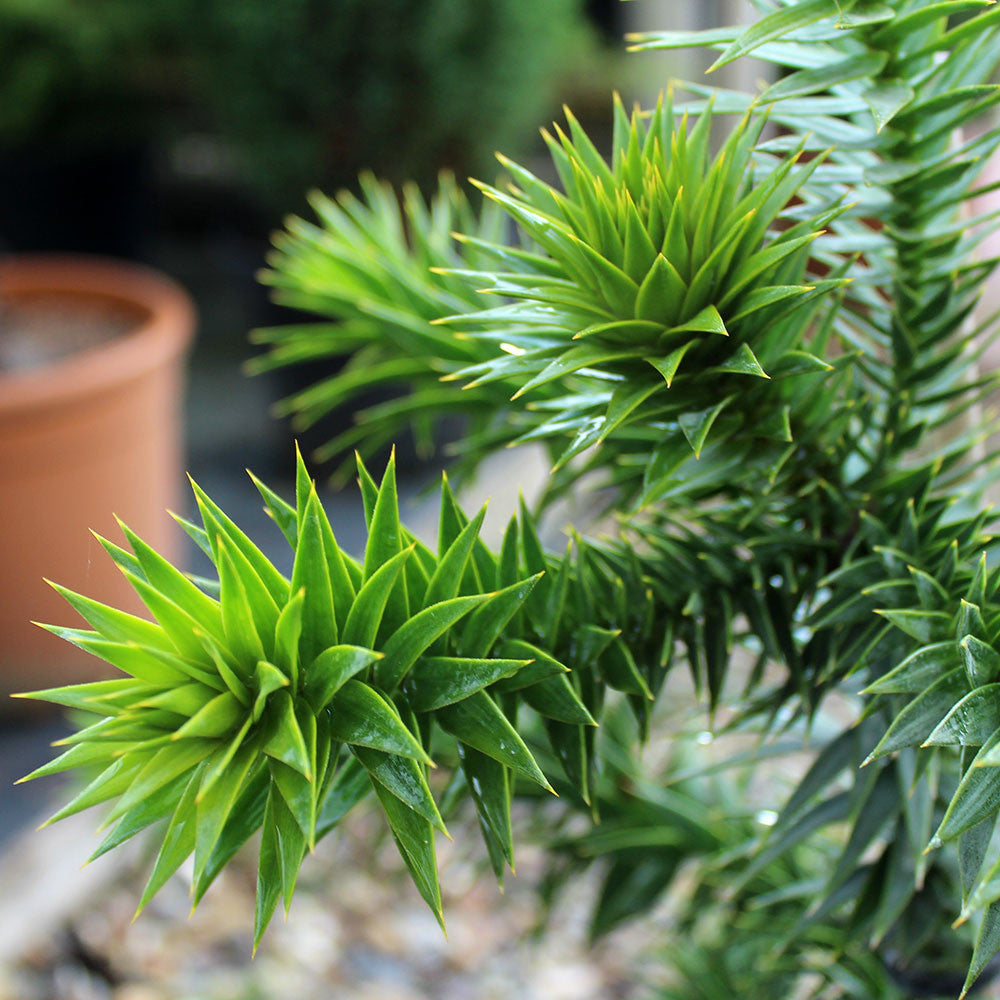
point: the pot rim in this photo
(163, 336)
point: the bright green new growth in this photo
(769, 350)
(370, 265)
(661, 277)
(267, 703)
(662, 289)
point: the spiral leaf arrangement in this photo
(664, 288)
(661, 270)
(943, 695)
(674, 322)
(368, 264)
(271, 703)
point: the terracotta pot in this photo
(81, 440)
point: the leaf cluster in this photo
(371, 265)
(276, 704)
(801, 509)
(671, 285)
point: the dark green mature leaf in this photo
(437, 681)
(349, 786)
(915, 723)
(971, 722)
(178, 843)
(311, 576)
(977, 797)
(418, 634)
(490, 787)
(987, 945)
(365, 617)
(478, 722)
(363, 717)
(414, 837)
(269, 872)
(555, 698)
(486, 622)
(919, 670)
(215, 803)
(332, 669)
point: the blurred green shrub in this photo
(76, 73)
(301, 92)
(310, 92)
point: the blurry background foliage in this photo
(299, 94)
(80, 74)
(311, 92)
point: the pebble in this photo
(358, 929)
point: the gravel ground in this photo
(357, 931)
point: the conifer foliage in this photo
(753, 322)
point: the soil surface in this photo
(357, 930)
(43, 329)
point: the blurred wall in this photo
(694, 15)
